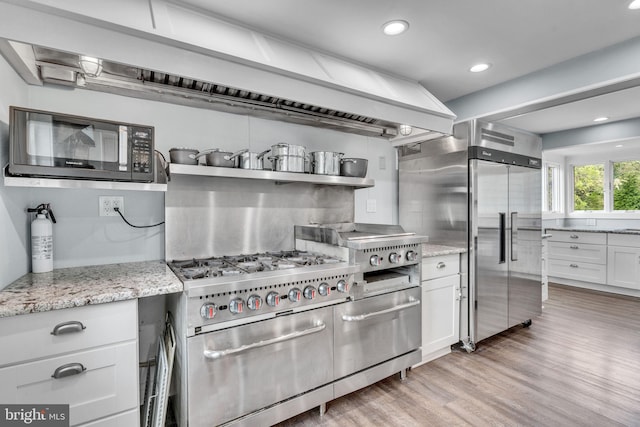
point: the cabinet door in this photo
(440, 313)
(624, 267)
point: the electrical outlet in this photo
(106, 205)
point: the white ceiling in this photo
(446, 37)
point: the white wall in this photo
(81, 237)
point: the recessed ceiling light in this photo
(393, 28)
(600, 119)
(619, 146)
(478, 68)
(635, 4)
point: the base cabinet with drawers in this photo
(440, 305)
(86, 357)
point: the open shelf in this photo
(219, 172)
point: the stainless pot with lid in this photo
(224, 159)
(326, 162)
(251, 160)
(183, 156)
(288, 163)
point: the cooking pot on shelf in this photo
(250, 160)
(353, 167)
(325, 162)
(183, 156)
(224, 159)
(288, 163)
(284, 149)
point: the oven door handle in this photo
(217, 354)
(361, 317)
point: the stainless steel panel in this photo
(489, 268)
(433, 191)
(525, 270)
(376, 373)
(256, 364)
(505, 138)
(214, 217)
(376, 329)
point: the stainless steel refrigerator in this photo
(481, 188)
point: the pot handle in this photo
(260, 155)
(236, 154)
(203, 153)
(348, 161)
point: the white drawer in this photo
(29, 336)
(125, 419)
(107, 386)
(579, 252)
(578, 237)
(583, 271)
(629, 240)
(440, 266)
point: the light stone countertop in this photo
(78, 286)
(596, 230)
(429, 250)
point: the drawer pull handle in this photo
(441, 265)
(68, 327)
(574, 236)
(573, 265)
(574, 247)
(68, 370)
(360, 317)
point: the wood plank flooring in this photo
(577, 365)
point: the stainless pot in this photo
(250, 160)
(353, 167)
(224, 159)
(288, 163)
(183, 156)
(326, 162)
(284, 149)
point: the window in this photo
(588, 187)
(551, 185)
(626, 185)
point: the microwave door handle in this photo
(123, 145)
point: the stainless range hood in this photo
(180, 58)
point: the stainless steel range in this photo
(257, 332)
(379, 332)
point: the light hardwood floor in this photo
(577, 365)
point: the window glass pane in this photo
(626, 185)
(552, 189)
(588, 188)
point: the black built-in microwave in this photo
(55, 145)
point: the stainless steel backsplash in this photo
(226, 216)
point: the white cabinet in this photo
(624, 261)
(440, 305)
(578, 256)
(86, 357)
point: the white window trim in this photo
(558, 190)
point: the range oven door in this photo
(235, 371)
(376, 329)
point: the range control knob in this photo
(375, 260)
(324, 289)
(412, 256)
(295, 295)
(342, 286)
(394, 258)
(208, 310)
(309, 292)
(236, 305)
(254, 302)
(273, 299)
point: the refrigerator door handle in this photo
(503, 236)
(514, 236)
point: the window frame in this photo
(557, 187)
